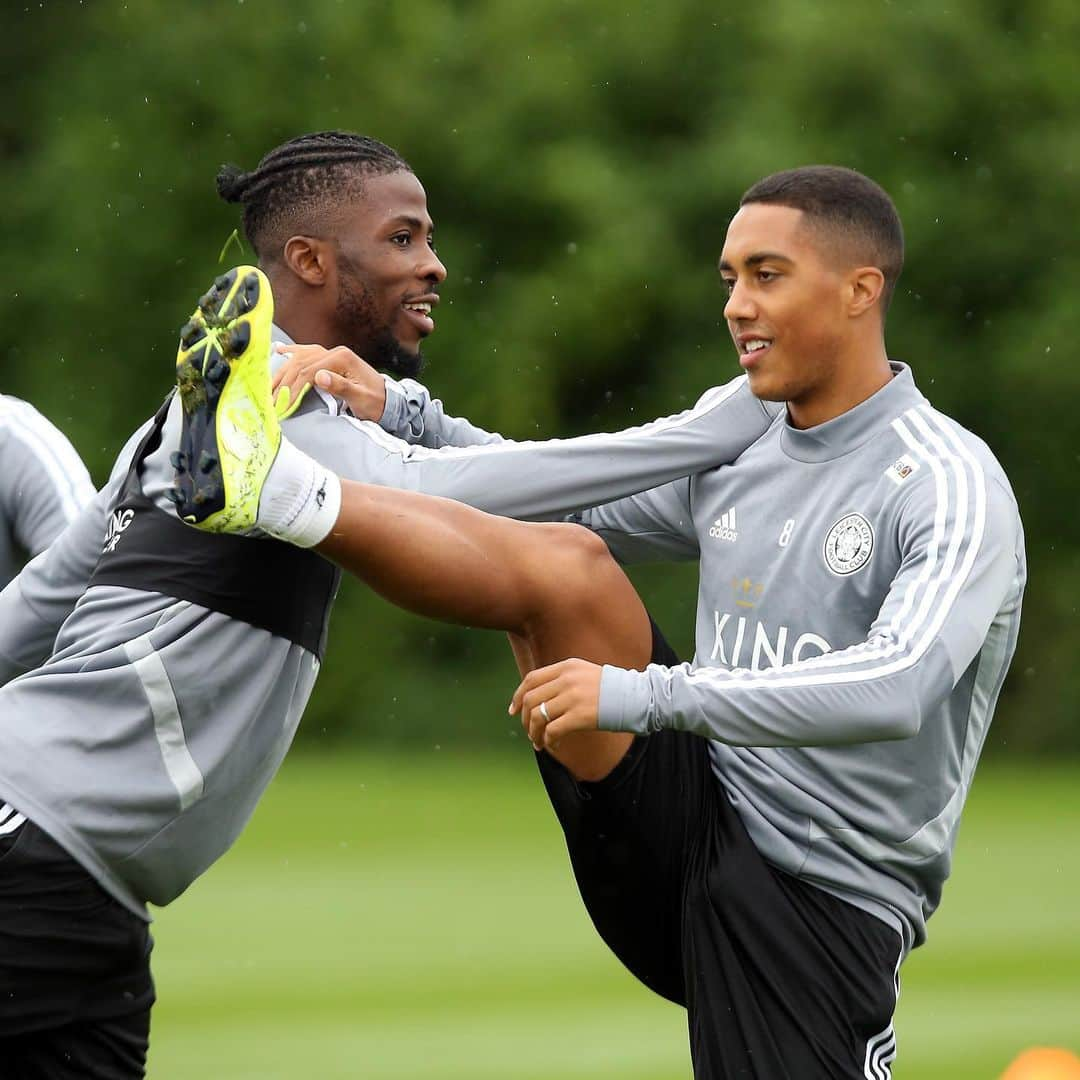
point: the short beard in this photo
(355, 313)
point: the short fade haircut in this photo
(297, 184)
(844, 204)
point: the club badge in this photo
(849, 545)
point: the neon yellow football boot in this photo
(230, 434)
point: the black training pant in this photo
(75, 984)
(780, 979)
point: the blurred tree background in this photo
(581, 161)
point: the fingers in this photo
(533, 699)
(339, 372)
(299, 364)
(552, 719)
(292, 380)
(539, 713)
(534, 679)
(555, 701)
(334, 383)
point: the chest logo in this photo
(119, 521)
(724, 528)
(849, 545)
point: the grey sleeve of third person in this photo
(35, 604)
(43, 482)
(543, 480)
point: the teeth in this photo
(753, 346)
(425, 308)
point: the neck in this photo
(299, 313)
(855, 377)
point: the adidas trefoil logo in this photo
(119, 521)
(724, 528)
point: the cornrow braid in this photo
(300, 175)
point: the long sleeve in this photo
(35, 604)
(957, 592)
(43, 483)
(653, 526)
(414, 416)
(543, 480)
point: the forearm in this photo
(545, 480)
(874, 696)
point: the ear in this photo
(865, 285)
(309, 258)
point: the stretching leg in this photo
(553, 587)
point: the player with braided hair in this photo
(164, 671)
(300, 205)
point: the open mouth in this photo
(751, 350)
(419, 313)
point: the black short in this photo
(75, 984)
(780, 979)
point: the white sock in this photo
(300, 498)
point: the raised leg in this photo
(553, 587)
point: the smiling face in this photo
(387, 273)
(788, 307)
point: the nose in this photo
(431, 268)
(739, 303)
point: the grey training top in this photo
(43, 484)
(139, 731)
(858, 606)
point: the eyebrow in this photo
(757, 259)
(412, 221)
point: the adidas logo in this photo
(724, 528)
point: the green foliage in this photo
(581, 162)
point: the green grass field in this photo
(390, 917)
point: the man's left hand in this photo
(570, 694)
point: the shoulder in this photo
(737, 391)
(946, 444)
(13, 411)
(22, 427)
(948, 474)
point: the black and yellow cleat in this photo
(230, 435)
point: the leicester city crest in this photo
(849, 544)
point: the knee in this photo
(578, 555)
(566, 571)
(577, 540)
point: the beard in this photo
(364, 334)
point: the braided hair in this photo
(297, 180)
